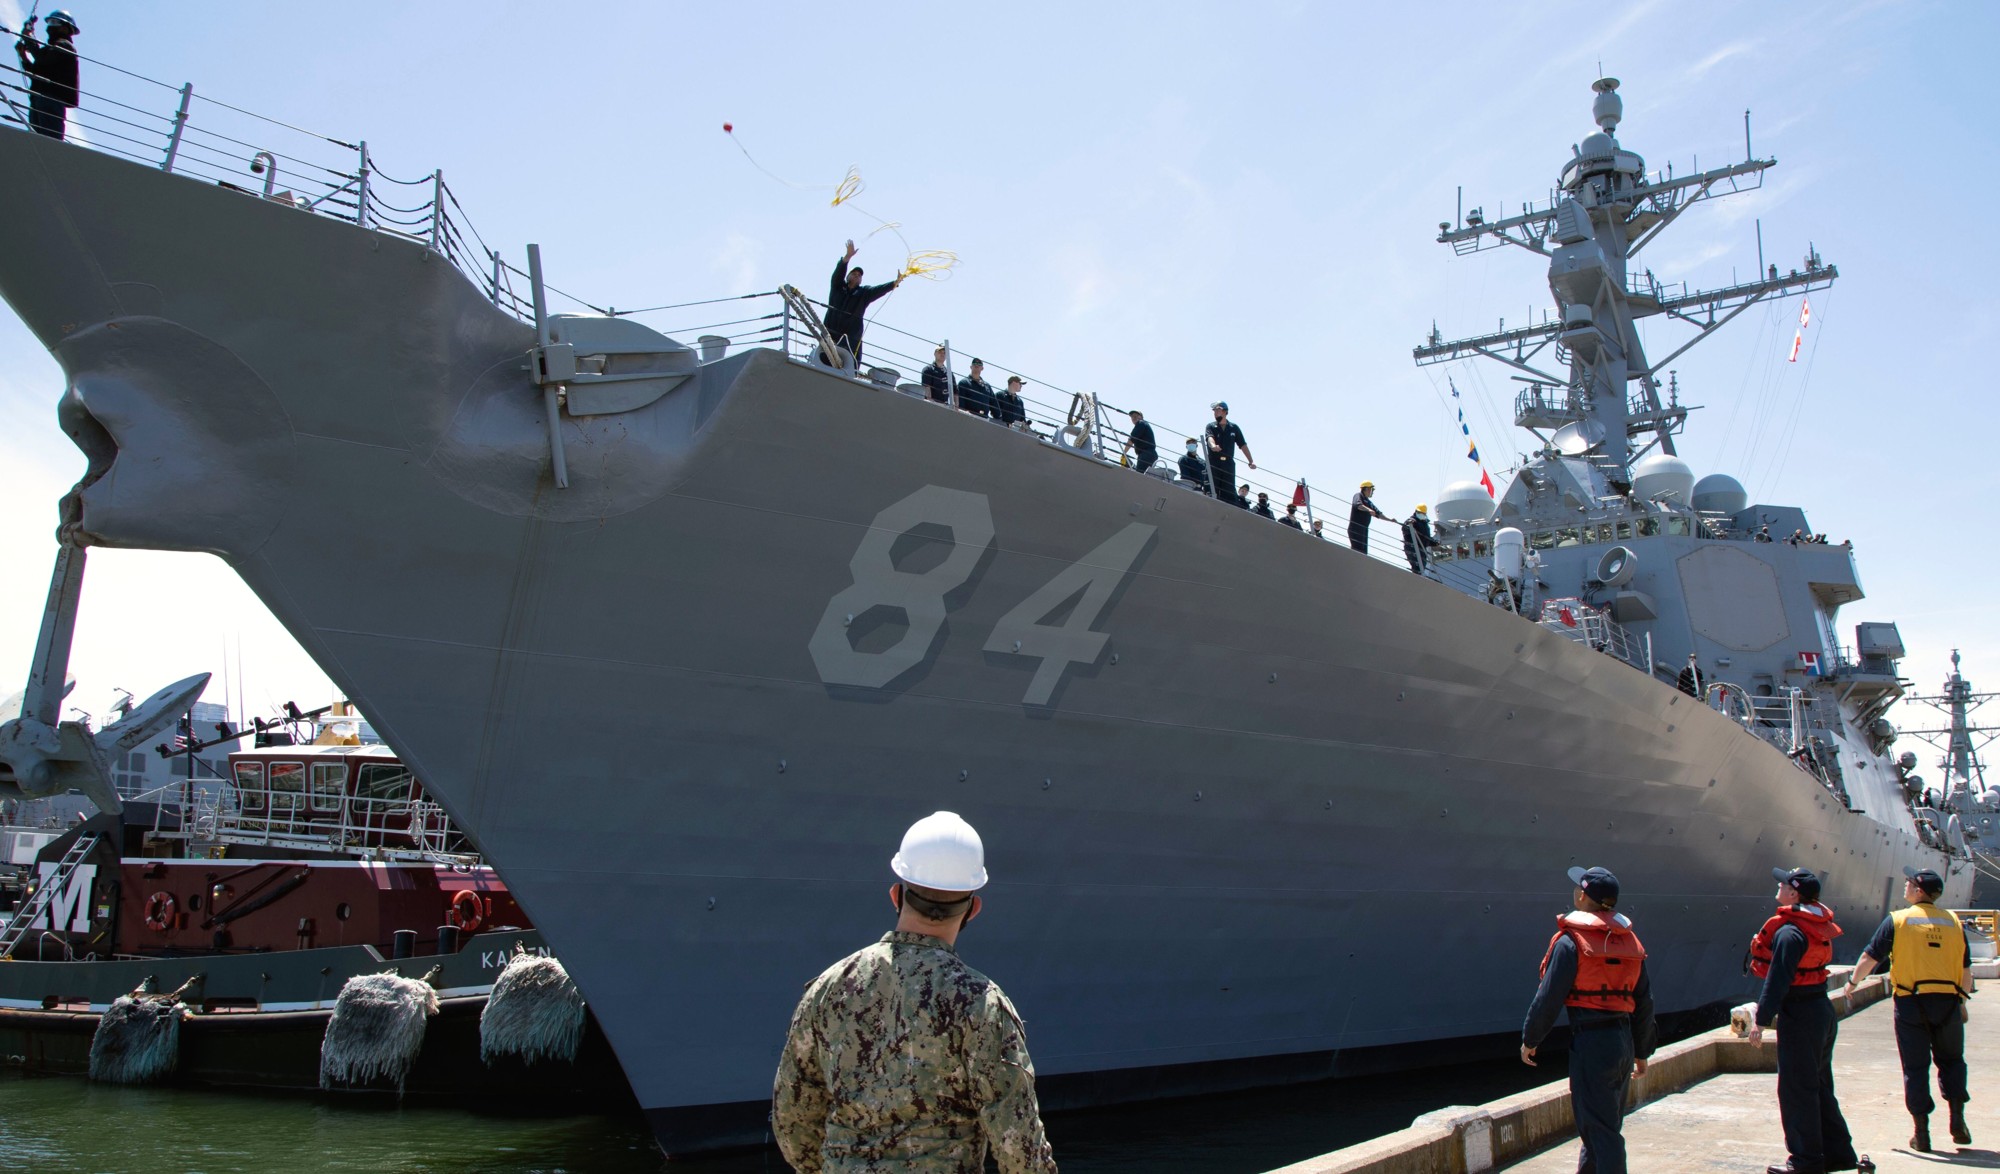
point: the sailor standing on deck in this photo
(1791, 954)
(1224, 438)
(1360, 511)
(1140, 442)
(901, 1056)
(847, 302)
(1930, 967)
(1194, 470)
(51, 70)
(1417, 540)
(1596, 968)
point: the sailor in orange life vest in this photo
(1596, 967)
(1791, 954)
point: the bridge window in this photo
(385, 782)
(1624, 530)
(288, 786)
(250, 785)
(328, 780)
(1648, 527)
(1677, 526)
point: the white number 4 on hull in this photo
(1091, 582)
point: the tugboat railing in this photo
(384, 829)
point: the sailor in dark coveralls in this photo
(1596, 968)
(1930, 968)
(1360, 511)
(937, 379)
(847, 302)
(1193, 470)
(51, 70)
(1417, 540)
(1140, 442)
(1224, 438)
(1791, 954)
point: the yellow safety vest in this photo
(1927, 955)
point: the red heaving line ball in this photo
(728, 129)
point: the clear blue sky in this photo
(1166, 204)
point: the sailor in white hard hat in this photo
(900, 1055)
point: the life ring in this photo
(160, 909)
(466, 911)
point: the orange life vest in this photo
(1816, 922)
(1608, 957)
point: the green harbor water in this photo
(60, 1125)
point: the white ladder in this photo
(37, 905)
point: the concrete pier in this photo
(1707, 1103)
(1730, 1121)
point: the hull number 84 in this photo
(923, 597)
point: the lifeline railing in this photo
(1078, 422)
(1570, 617)
(184, 133)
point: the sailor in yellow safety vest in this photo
(1930, 967)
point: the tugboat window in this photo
(385, 782)
(328, 779)
(250, 785)
(288, 785)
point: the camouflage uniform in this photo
(903, 1058)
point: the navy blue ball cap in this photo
(1927, 879)
(1803, 881)
(1597, 883)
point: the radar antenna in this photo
(1605, 209)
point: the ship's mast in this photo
(1960, 739)
(1605, 210)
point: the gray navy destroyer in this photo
(1209, 755)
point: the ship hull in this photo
(1213, 834)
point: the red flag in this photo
(1299, 496)
(1567, 616)
(1487, 482)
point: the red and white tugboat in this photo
(216, 922)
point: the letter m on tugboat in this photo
(67, 909)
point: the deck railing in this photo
(186, 133)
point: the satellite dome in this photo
(1464, 501)
(1719, 493)
(1662, 476)
(1598, 146)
